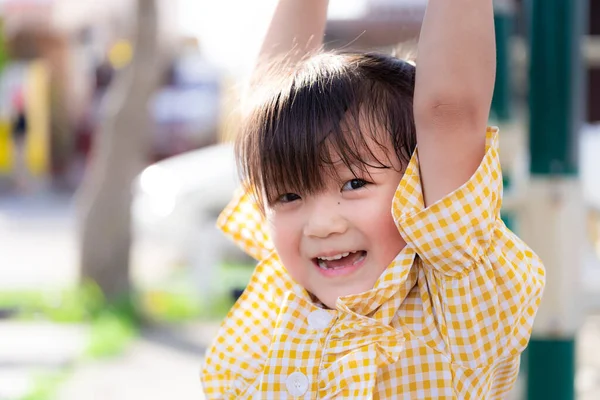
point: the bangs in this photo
(335, 109)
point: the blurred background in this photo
(116, 120)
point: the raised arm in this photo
(456, 68)
(296, 30)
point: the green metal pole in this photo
(551, 369)
(555, 91)
(555, 228)
(503, 22)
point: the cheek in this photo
(379, 225)
(391, 240)
(285, 235)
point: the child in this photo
(383, 273)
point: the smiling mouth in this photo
(339, 261)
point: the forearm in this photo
(296, 30)
(456, 63)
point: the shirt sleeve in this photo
(482, 284)
(456, 231)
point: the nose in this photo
(325, 219)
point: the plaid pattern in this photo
(447, 319)
(242, 221)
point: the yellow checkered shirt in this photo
(447, 319)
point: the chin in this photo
(326, 300)
(330, 305)
(331, 302)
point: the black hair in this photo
(332, 103)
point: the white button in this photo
(297, 383)
(319, 319)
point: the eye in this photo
(354, 184)
(287, 198)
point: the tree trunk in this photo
(119, 154)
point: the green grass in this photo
(46, 385)
(114, 326)
(179, 300)
(72, 305)
(175, 301)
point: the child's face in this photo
(350, 217)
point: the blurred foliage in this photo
(179, 301)
(80, 304)
(166, 306)
(113, 326)
(175, 301)
(46, 386)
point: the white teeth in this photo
(336, 257)
(322, 261)
(323, 265)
